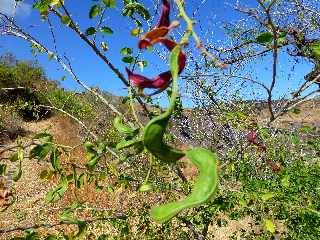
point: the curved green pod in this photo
(155, 129)
(153, 139)
(204, 188)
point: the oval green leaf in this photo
(264, 37)
(90, 31)
(94, 11)
(106, 30)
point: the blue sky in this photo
(90, 68)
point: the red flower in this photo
(156, 35)
(252, 137)
(162, 28)
(163, 80)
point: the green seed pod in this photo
(204, 188)
(153, 139)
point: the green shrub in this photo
(25, 86)
(71, 102)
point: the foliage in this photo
(24, 85)
(71, 102)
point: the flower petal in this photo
(143, 43)
(164, 20)
(155, 33)
(170, 44)
(160, 82)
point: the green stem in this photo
(190, 32)
(132, 107)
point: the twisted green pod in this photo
(203, 190)
(155, 129)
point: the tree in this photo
(140, 130)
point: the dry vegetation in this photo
(30, 207)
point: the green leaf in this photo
(94, 11)
(124, 128)
(55, 160)
(110, 189)
(67, 217)
(3, 168)
(51, 237)
(315, 48)
(90, 31)
(42, 6)
(80, 180)
(264, 37)
(285, 181)
(136, 7)
(269, 225)
(19, 155)
(90, 177)
(102, 237)
(92, 163)
(109, 3)
(128, 59)
(66, 20)
(40, 152)
(82, 226)
(138, 23)
(89, 146)
(59, 191)
(46, 174)
(126, 51)
(135, 32)
(267, 196)
(307, 129)
(145, 187)
(106, 30)
(44, 137)
(17, 174)
(295, 110)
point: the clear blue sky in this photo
(89, 67)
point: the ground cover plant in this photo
(89, 165)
